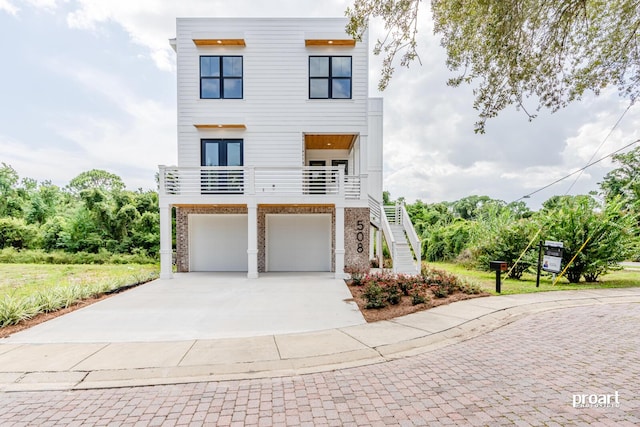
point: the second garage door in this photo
(296, 242)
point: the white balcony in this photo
(212, 182)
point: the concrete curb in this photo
(39, 367)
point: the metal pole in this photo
(498, 281)
(539, 262)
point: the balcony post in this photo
(339, 262)
(166, 252)
(341, 183)
(161, 183)
(250, 180)
(364, 186)
(252, 244)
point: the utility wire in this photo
(599, 147)
(526, 196)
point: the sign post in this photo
(539, 264)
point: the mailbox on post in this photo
(498, 267)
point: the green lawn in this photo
(487, 280)
(29, 289)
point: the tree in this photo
(507, 242)
(10, 203)
(471, 206)
(624, 181)
(98, 179)
(511, 50)
(607, 231)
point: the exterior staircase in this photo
(403, 262)
(401, 237)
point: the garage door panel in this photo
(218, 242)
(298, 242)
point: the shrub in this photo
(14, 309)
(606, 232)
(357, 275)
(440, 290)
(418, 296)
(444, 242)
(470, 288)
(374, 295)
(38, 256)
(505, 241)
(15, 232)
(387, 288)
(394, 295)
(406, 283)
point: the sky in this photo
(91, 84)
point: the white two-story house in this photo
(279, 149)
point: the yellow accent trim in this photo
(327, 42)
(209, 205)
(295, 205)
(219, 42)
(221, 126)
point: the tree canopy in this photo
(527, 53)
(92, 213)
(624, 181)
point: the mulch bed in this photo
(405, 306)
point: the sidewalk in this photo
(26, 367)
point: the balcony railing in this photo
(262, 181)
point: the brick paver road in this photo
(525, 373)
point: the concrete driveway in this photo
(206, 306)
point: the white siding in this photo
(374, 151)
(275, 107)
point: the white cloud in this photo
(150, 23)
(130, 143)
(144, 139)
(7, 6)
(43, 162)
(49, 5)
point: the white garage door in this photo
(298, 242)
(218, 242)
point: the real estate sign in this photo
(552, 259)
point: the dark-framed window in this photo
(330, 77)
(221, 77)
(222, 152)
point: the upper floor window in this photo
(221, 77)
(222, 152)
(330, 77)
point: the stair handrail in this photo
(388, 236)
(390, 212)
(374, 209)
(416, 244)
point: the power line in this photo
(526, 196)
(599, 147)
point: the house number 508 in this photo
(360, 235)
